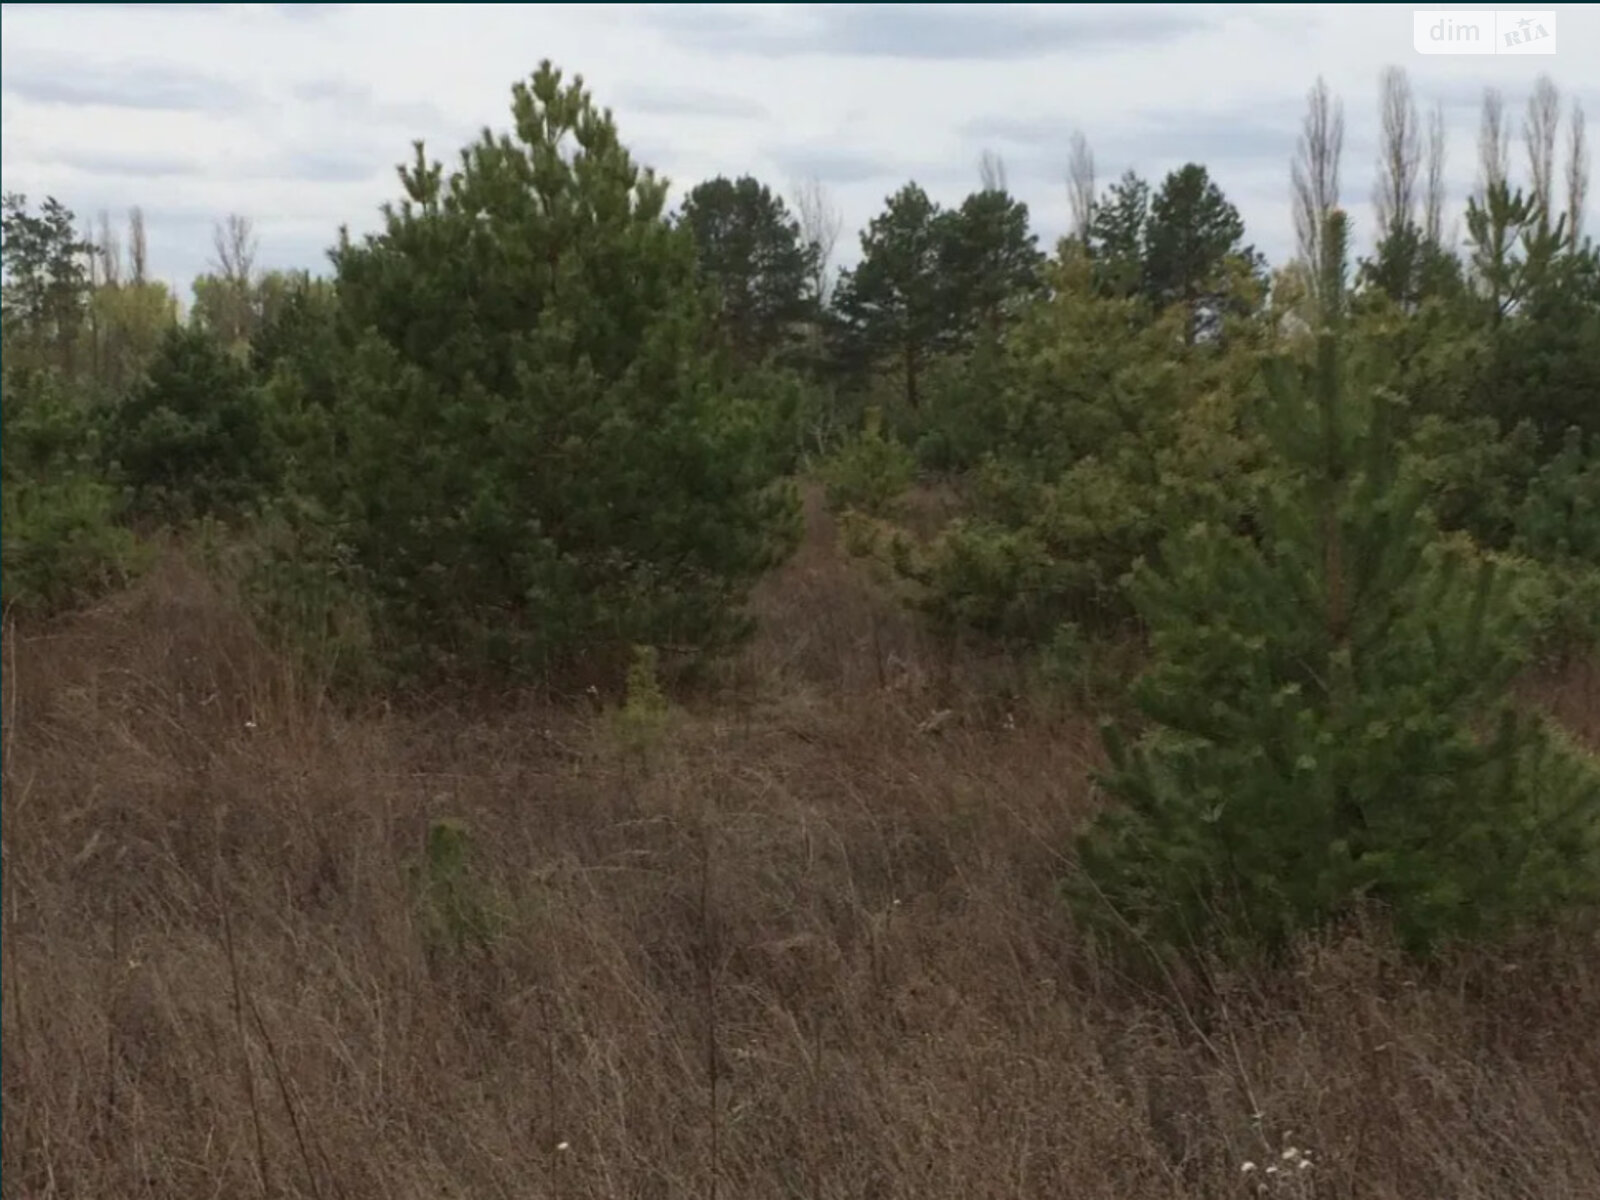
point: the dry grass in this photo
(795, 949)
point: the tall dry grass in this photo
(792, 948)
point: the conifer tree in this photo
(751, 252)
(991, 262)
(1116, 236)
(192, 438)
(895, 304)
(536, 457)
(1328, 700)
(1192, 236)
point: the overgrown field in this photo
(778, 944)
(589, 700)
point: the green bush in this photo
(869, 473)
(1558, 525)
(1077, 438)
(193, 438)
(957, 425)
(1475, 477)
(301, 587)
(459, 909)
(1559, 519)
(800, 416)
(62, 547)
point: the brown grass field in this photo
(791, 947)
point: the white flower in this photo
(1247, 1168)
(561, 1147)
(1290, 1154)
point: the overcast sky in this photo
(295, 115)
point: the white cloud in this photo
(296, 115)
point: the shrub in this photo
(61, 545)
(458, 908)
(869, 473)
(192, 439)
(1558, 525)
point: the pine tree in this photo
(990, 260)
(895, 304)
(1117, 237)
(535, 457)
(751, 252)
(192, 438)
(1192, 236)
(1328, 700)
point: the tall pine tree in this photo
(751, 252)
(1193, 235)
(896, 303)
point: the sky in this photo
(296, 115)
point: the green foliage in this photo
(963, 395)
(1408, 268)
(533, 454)
(989, 262)
(1558, 527)
(61, 547)
(1192, 239)
(1004, 583)
(458, 909)
(299, 323)
(1328, 708)
(1080, 435)
(642, 721)
(297, 354)
(894, 303)
(124, 330)
(301, 588)
(930, 280)
(751, 252)
(1181, 246)
(1544, 360)
(1474, 476)
(1560, 517)
(1512, 244)
(1117, 237)
(45, 296)
(796, 415)
(193, 438)
(1088, 673)
(869, 473)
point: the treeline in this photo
(537, 421)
